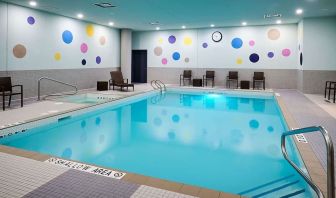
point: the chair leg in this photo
(264, 84)
(253, 84)
(3, 101)
(213, 82)
(21, 99)
(325, 89)
(10, 100)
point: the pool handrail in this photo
(330, 159)
(57, 81)
(158, 84)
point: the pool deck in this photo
(19, 165)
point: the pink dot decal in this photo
(84, 48)
(252, 43)
(164, 61)
(286, 52)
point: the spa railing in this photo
(56, 81)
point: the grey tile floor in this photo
(307, 113)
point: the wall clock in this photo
(217, 36)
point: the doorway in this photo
(139, 66)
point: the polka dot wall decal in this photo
(186, 60)
(57, 56)
(67, 37)
(31, 20)
(252, 43)
(90, 30)
(237, 43)
(254, 58)
(102, 40)
(19, 51)
(158, 51)
(164, 61)
(160, 40)
(286, 52)
(205, 45)
(270, 54)
(84, 47)
(301, 59)
(273, 34)
(176, 56)
(239, 61)
(172, 39)
(98, 59)
(175, 118)
(187, 41)
(83, 62)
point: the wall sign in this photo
(217, 36)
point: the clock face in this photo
(216, 36)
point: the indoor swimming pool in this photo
(225, 141)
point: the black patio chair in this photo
(232, 77)
(185, 76)
(209, 75)
(6, 89)
(258, 78)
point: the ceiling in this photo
(172, 14)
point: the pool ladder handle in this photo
(158, 84)
(57, 81)
(330, 159)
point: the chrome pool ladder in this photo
(56, 81)
(330, 159)
(158, 84)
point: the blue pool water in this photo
(224, 142)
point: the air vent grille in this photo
(105, 5)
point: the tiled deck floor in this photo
(307, 113)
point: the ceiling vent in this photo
(269, 16)
(154, 23)
(105, 5)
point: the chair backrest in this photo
(6, 82)
(210, 74)
(233, 75)
(258, 76)
(117, 77)
(187, 73)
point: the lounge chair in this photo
(209, 75)
(185, 76)
(117, 80)
(6, 89)
(259, 78)
(232, 77)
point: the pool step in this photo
(286, 187)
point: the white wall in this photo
(319, 39)
(3, 36)
(221, 54)
(43, 40)
(126, 53)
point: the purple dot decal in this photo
(251, 43)
(84, 48)
(205, 45)
(270, 54)
(172, 39)
(254, 58)
(31, 20)
(286, 52)
(83, 62)
(98, 59)
(164, 61)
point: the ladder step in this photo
(294, 193)
(276, 189)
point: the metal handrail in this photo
(330, 159)
(157, 84)
(57, 81)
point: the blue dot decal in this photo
(67, 37)
(254, 124)
(176, 118)
(254, 58)
(237, 43)
(176, 56)
(67, 153)
(270, 129)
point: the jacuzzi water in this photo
(225, 142)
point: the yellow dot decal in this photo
(90, 30)
(239, 61)
(187, 41)
(160, 40)
(57, 56)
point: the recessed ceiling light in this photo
(157, 28)
(299, 11)
(183, 27)
(111, 23)
(32, 3)
(80, 16)
(278, 22)
(244, 23)
(212, 25)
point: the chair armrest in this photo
(21, 87)
(126, 80)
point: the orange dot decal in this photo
(273, 34)
(102, 40)
(19, 51)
